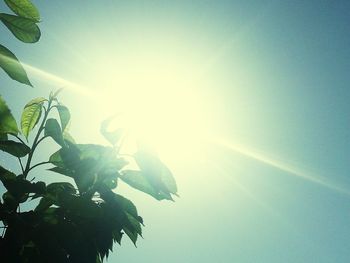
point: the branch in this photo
(38, 164)
(20, 162)
(37, 140)
(18, 138)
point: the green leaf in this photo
(68, 138)
(136, 180)
(24, 8)
(56, 188)
(63, 171)
(64, 113)
(10, 64)
(31, 115)
(67, 158)
(88, 164)
(44, 203)
(53, 129)
(10, 202)
(18, 186)
(15, 148)
(132, 221)
(55, 194)
(111, 183)
(22, 28)
(7, 121)
(156, 174)
(6, 175)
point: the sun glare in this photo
(158, 107)
(153, 90)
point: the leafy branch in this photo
(23, 25)
(78, 219)
(88, 205)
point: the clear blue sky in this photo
(272, 77)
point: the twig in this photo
(20, 162)
(18, 138)
(38, 164)
(37, 140)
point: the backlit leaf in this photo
(10, 64)
(24, 8)
(31, 115)
(15, 148)
(22, 28)
(136, 180)
(64, 114)
(53, 129)
(157, 174)
(7, 121)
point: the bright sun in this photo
(160, 108)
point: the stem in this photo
(38, 164)
(20, 162)
(36, 140)
(41, 139)
(3, 231)
(18, 138)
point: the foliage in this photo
(77, 220)
(72, 222)
(23, 25)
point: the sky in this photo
(247, 101)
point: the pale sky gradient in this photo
(267, 84)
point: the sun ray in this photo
(279, 165)
(244, 189)
(59, 81)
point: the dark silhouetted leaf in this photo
(6, 175)
(64, 116)
(31, 115)
(18, 186)
(53, 129)
(15, 148)
(10, 64)
(56, 188)
(45, 203)
(7, 121)
(63, 171)
(131, 221)
(67, 157)
(24, 8)
(22, 28)
(10, 202)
